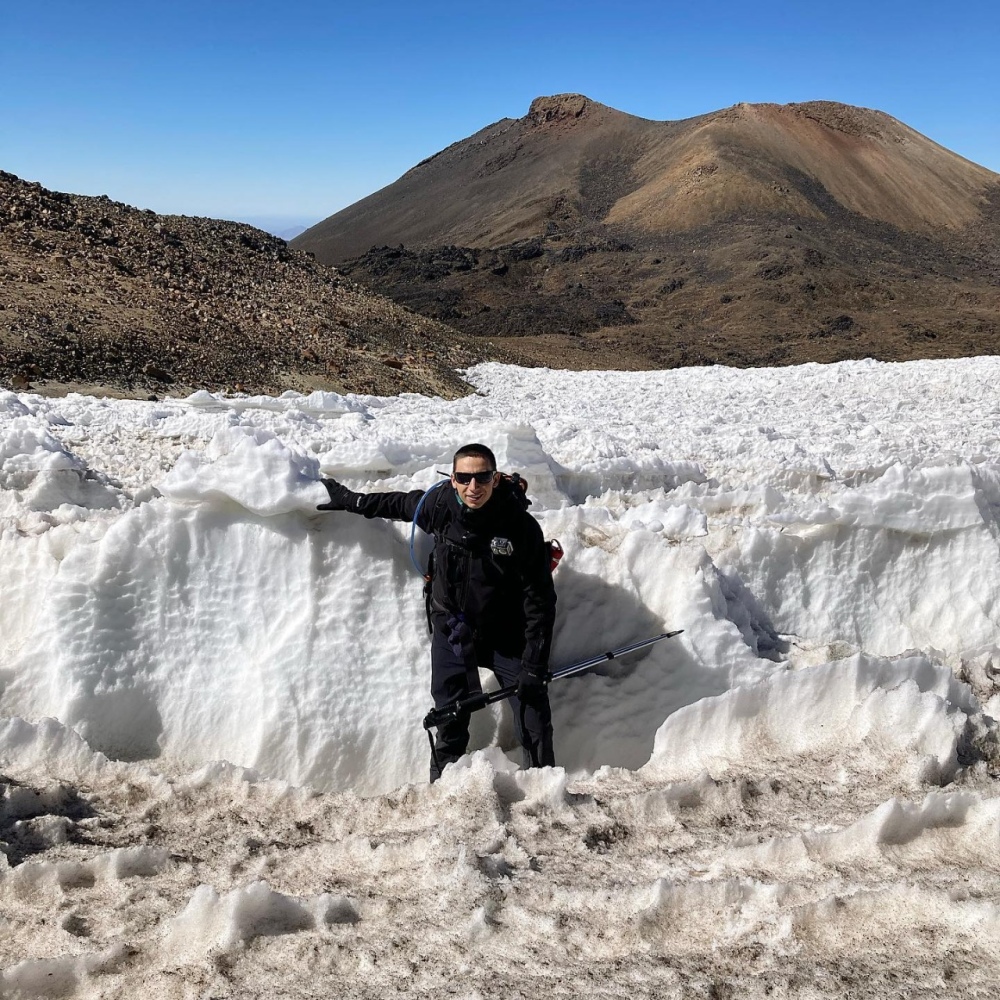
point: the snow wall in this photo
(169, 590)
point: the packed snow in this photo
(211, 752)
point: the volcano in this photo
(758, 234)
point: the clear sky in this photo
(285, 112)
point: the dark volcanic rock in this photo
(490, 293)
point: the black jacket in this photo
(508, 600)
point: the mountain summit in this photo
(771, 222)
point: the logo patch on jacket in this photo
(501, 547)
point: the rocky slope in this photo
(98, 295)
(760, 234)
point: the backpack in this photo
(519, 489)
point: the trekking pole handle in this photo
(471, 704)
(477, 701)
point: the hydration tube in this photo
(413, 526)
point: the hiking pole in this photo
(473, 703)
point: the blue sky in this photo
(287, 112)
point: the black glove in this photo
(531, 680)
(341, 498)
(460, 637)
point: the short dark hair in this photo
(475, 451)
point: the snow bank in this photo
(251, 468)
(960, 826)
(171, 591)
(881, 716)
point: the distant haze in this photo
(287, 227)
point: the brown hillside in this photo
(100, 296)
(770, 158)
(569, 159)
(758, 234)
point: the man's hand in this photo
(531, 680)
(341, 498)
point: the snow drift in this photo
(182, 634)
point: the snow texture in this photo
(211, 757)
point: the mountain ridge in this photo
(99, 296)
(687, 160)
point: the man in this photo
(491, 601)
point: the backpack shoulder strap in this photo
(435, 501)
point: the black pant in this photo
(455, 675)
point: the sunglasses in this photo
(480, 477)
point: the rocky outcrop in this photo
(562, 107)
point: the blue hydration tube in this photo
(413, 527)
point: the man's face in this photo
(474, 494)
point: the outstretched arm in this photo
(394, 506)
